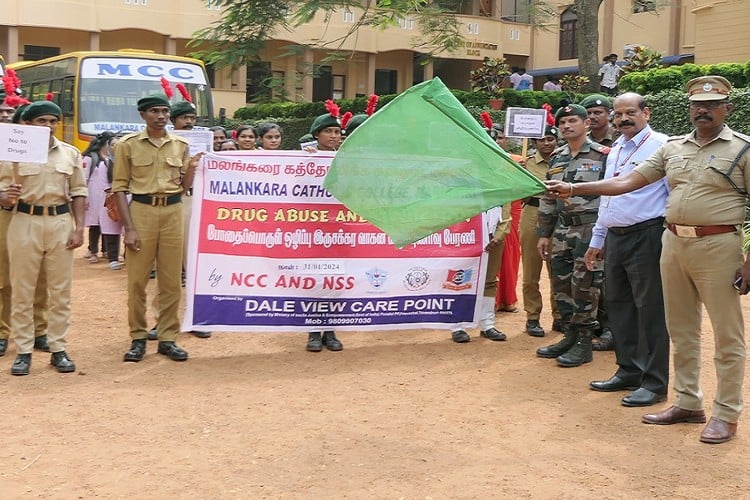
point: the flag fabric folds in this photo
(423, 163)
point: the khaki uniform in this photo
(37, 242)
(608, 139)
(697, 270)
(40, 297)
(144, 168)
(531, 261)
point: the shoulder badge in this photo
(129, 136)
(600, 148)
(675, 138)
(739, 135)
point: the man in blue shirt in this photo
(633, 224)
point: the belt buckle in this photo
(686, 231)
(158, 201)
(45, 209)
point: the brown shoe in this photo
(675, 415)
(718, 431)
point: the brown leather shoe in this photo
(718, 431)
(675, 415)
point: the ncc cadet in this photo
(708, 171)
(325, 129)
(42, 235)
(183, 117)
(564, 231)
(7, 112)
(155, 167)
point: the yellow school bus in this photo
(98, 91)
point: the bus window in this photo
(66, 96)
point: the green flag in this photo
(423, 163)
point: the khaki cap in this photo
(708, 88)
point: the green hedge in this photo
(657, 80)
(523, 98)
(669, 112)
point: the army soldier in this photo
(531, 262)
(42, 234)
(564, 232)
(598, 108)
(155, 167)
(709, 173)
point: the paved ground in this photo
(395, 415)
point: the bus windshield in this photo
(110, 88)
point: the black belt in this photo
(636, 227)
(578, 219)
(532, 202)
(41, 209)
(158, 200)
(9, 209)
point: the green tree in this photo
(246, 26)
(587, 38)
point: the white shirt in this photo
(640, 205)
(609, 73)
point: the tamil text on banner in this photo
(270, 248)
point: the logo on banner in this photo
(376, 277)
(416, 278)
(458, 279)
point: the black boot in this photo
(562, 346)
(580, 353)
(314, 342)
(331, 342)
(62, 362)
(21, 365)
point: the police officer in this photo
(531, 262)
(155, 167)
(701, 254)
(42, 234)
(564, 232)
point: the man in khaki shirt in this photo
(709, 174)
(155, 168)
(42, 234)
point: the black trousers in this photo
(635, 306)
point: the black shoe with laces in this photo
(172, 351)
(331, 342)
(136, 352)
(21, 365)
(460, 337)
(62, 362)
(492, 334)
(314, 342)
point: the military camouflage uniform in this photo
(569, 225)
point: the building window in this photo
(258, 79)
(386, 81)
(339, 84)
(516, 11)
(322, 83)
(37, 52)
(568, 28)
(644, 6)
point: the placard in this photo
(525, 122)
(200, 141)
(24, 143)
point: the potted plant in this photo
(491, 78)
